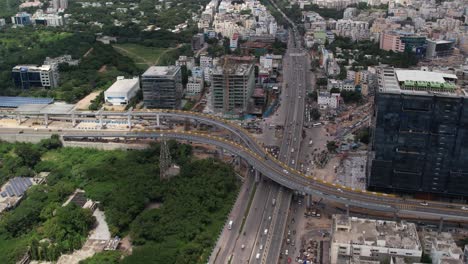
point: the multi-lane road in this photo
(295, 67)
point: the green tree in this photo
(363, 135)
(28, 154)
(315, 114)
(52, 143)
(334, 90)
(331, 146)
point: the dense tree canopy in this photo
(193, 205)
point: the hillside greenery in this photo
(182, 229)
(99, 66)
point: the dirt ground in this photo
(328, 172)
(84, 103)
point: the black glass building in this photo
(420, 140)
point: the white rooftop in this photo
(160, 71)
(415, 75)
(122, 85)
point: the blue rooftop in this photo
(13, 101)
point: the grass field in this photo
(142, 56)
(8, 7)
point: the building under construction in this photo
(420, 141)
(232, 85)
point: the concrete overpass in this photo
(255, 154)
(293, 179)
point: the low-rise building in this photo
(188, 62)
(328, 100)
(347, 85)
(27, 76)
(194, 86)
(12, 192)
(198, 40)
(206, 61)
(441, 247)
(373, 240)
(49, 20)
(122, 90)
(21, 18)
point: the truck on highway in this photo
(230, 225)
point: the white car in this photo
(424, 203)
(464, 208)
(285, 171)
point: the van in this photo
(257, 256)
(265, 232)
(230, 225)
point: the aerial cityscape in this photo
(234, 132)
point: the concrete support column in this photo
(100, 121)
(46, 120)
(441, 224)
(157, 120)
(73, 119)
(257, 175)
(220, 152)
(129, 118)
(309, 200)
(129, 122)
(347, 210)
(18, 119)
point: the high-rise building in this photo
(60, 4)
(22, 18)
(26, 76)
(420, 143)
(232, 86)
(162, 87)
(63, 4)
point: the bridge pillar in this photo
(257, 175)
(129, 122)
(129, 118)
(347, 210)
(100, 121)
(441, 224)
(46, 120)
(73, 119)
(220, 152)
(309, 200)
(18, 119)
(99, 116)
(157, 120)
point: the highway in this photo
(295, 78)
(284, 175)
